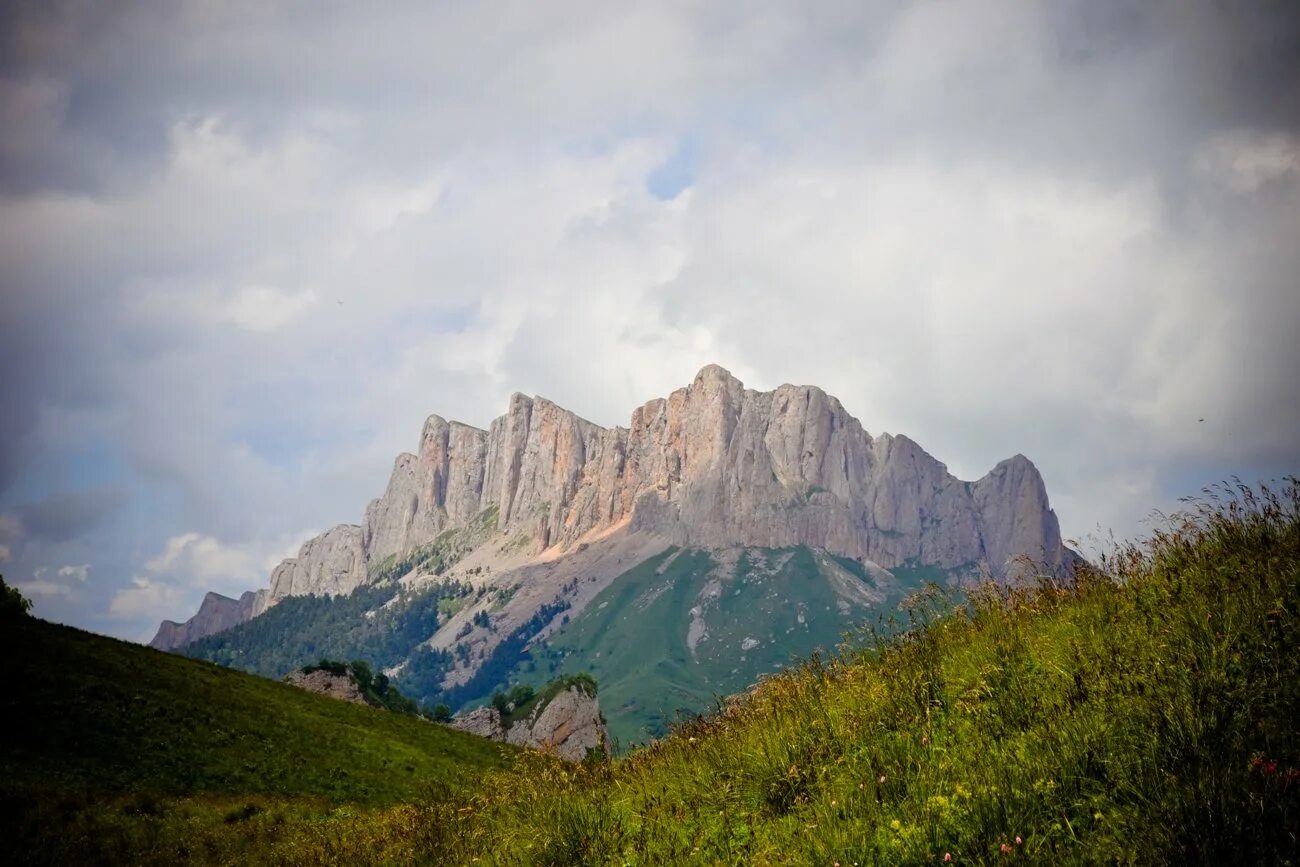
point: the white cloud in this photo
(191, 564)
(200, 556)
(146, 600)
(1246, 161)
(42, 587)
(64, 583)
(80, 573)
(265, 308)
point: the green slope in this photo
(772, 607)
(92, 714)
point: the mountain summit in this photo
(544, 511)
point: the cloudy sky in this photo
(245, 248)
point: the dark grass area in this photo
(85, 713)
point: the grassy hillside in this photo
(1145, 714)
(773, 608)
(91, 721)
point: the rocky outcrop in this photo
(482, 721)
(217, 613)
(343, 687)
(568, 724)
(713, 465)
(328, 565)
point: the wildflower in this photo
(1270, 768)
(947, 857)
(861, 786)
(881, 780)
(896, 825)
(1018, 840)
(1006, 850)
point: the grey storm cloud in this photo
(245, 248)
(65, 515)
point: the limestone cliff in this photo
(327, 565)
(715, 465)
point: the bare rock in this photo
(327, 565)
(340, 686)
(568, 725)
(1016, 520)
(482, 721)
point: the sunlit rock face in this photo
(715, 464)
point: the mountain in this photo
(519, 528)
(216, 614)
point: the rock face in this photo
(328, 565)
(482, 721)
(216, 614)
(713, 465)
(340, 686)
(569, 725)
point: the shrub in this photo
(520, 694)
(13, 603)
(501, 702)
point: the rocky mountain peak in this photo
(713, 465)
(714, 379)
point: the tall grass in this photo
(1144, 712)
